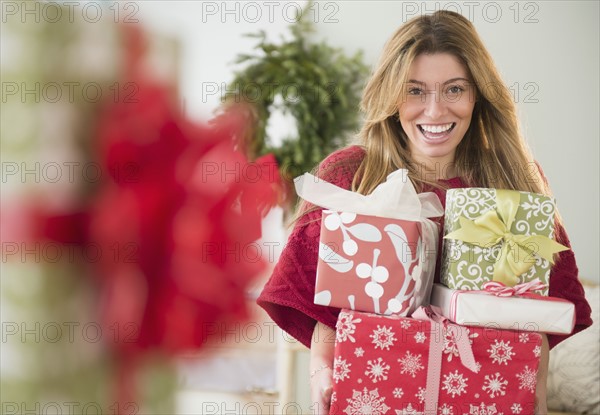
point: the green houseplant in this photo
(317, 84)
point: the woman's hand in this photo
(321, 387)
(321, 368)
(542, 375)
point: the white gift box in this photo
(478, 308)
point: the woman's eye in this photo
(414, 91)
(455, 89)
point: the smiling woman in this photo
(429, 109)
(436, 109)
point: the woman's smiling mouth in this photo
(436, 132)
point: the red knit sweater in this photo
(288, 295)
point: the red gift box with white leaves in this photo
(375, 264)
(399, 365)
(377, 252)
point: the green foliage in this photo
(320, 87)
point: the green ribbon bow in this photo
(493, 227)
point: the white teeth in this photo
(436, 128)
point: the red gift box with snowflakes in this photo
(386, 365)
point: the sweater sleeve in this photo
(564, 283)
(289, 293)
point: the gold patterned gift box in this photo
(497, 235)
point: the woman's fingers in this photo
(326, 397)
(540, 391)
(327, 393)
(540, 405)
(321, 390)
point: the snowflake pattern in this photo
(366, 402)
(450, 345)
(483, 409)
(377, 370)
(501, 352)
(411, 363)
(409, 410)
(495, 385)
(421, 395)
(527, 379)
(405, 324)
(446, 410)
(383, 337)
(420, 337)
(367, 350)
(455, 384)
(333, 397)
(341, 369)
(346, 327)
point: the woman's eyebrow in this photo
(414, 81)
(456, 79)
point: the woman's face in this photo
(436, 109)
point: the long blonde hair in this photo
(492, 153)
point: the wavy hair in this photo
(492, 153)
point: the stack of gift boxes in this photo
(406, 345)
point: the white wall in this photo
(546, 50)
(211, 36)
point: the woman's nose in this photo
(435, 105)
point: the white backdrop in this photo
(547, 52)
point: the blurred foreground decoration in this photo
(157, 246)
(317, 84)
